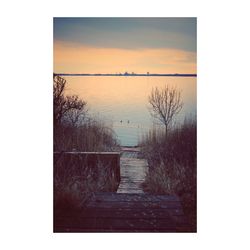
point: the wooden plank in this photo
(108, 196)
(119, 224)
(142, 205)
(117, 230)
(133, 200)
(125, 213)
(133, 172)
(134, 213)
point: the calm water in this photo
(123, 101)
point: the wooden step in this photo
(113, 212)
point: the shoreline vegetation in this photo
(171, 156)
(173, 165)
(75, 130)
(171, 153)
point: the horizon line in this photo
(126, 74)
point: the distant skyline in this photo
(114, 45)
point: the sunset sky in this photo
(116, 45)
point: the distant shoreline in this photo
(173, 75)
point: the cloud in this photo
(128, 33)
(72, 58)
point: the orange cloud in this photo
(82, 59)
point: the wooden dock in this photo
(117, 212)
(128, 210)
(133, 172)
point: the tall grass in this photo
(74, 181)
(172, 165)
(92, 135)
(74, 130)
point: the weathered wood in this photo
(133, 172)
(117, 230)
(128, 210)
(131, 224)
(108, 196)
(109, 212)
(142, 205)
(159, 213)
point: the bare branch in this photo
(165, 104)
(66, 107)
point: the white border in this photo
(26, 125)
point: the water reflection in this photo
(123, 101)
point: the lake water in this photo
(122, 101)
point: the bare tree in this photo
(75, 117)
(64, 105)
(165, 104)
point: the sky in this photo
(116, 45)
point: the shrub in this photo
(92, 135)
(75, 181)
(172, 165)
